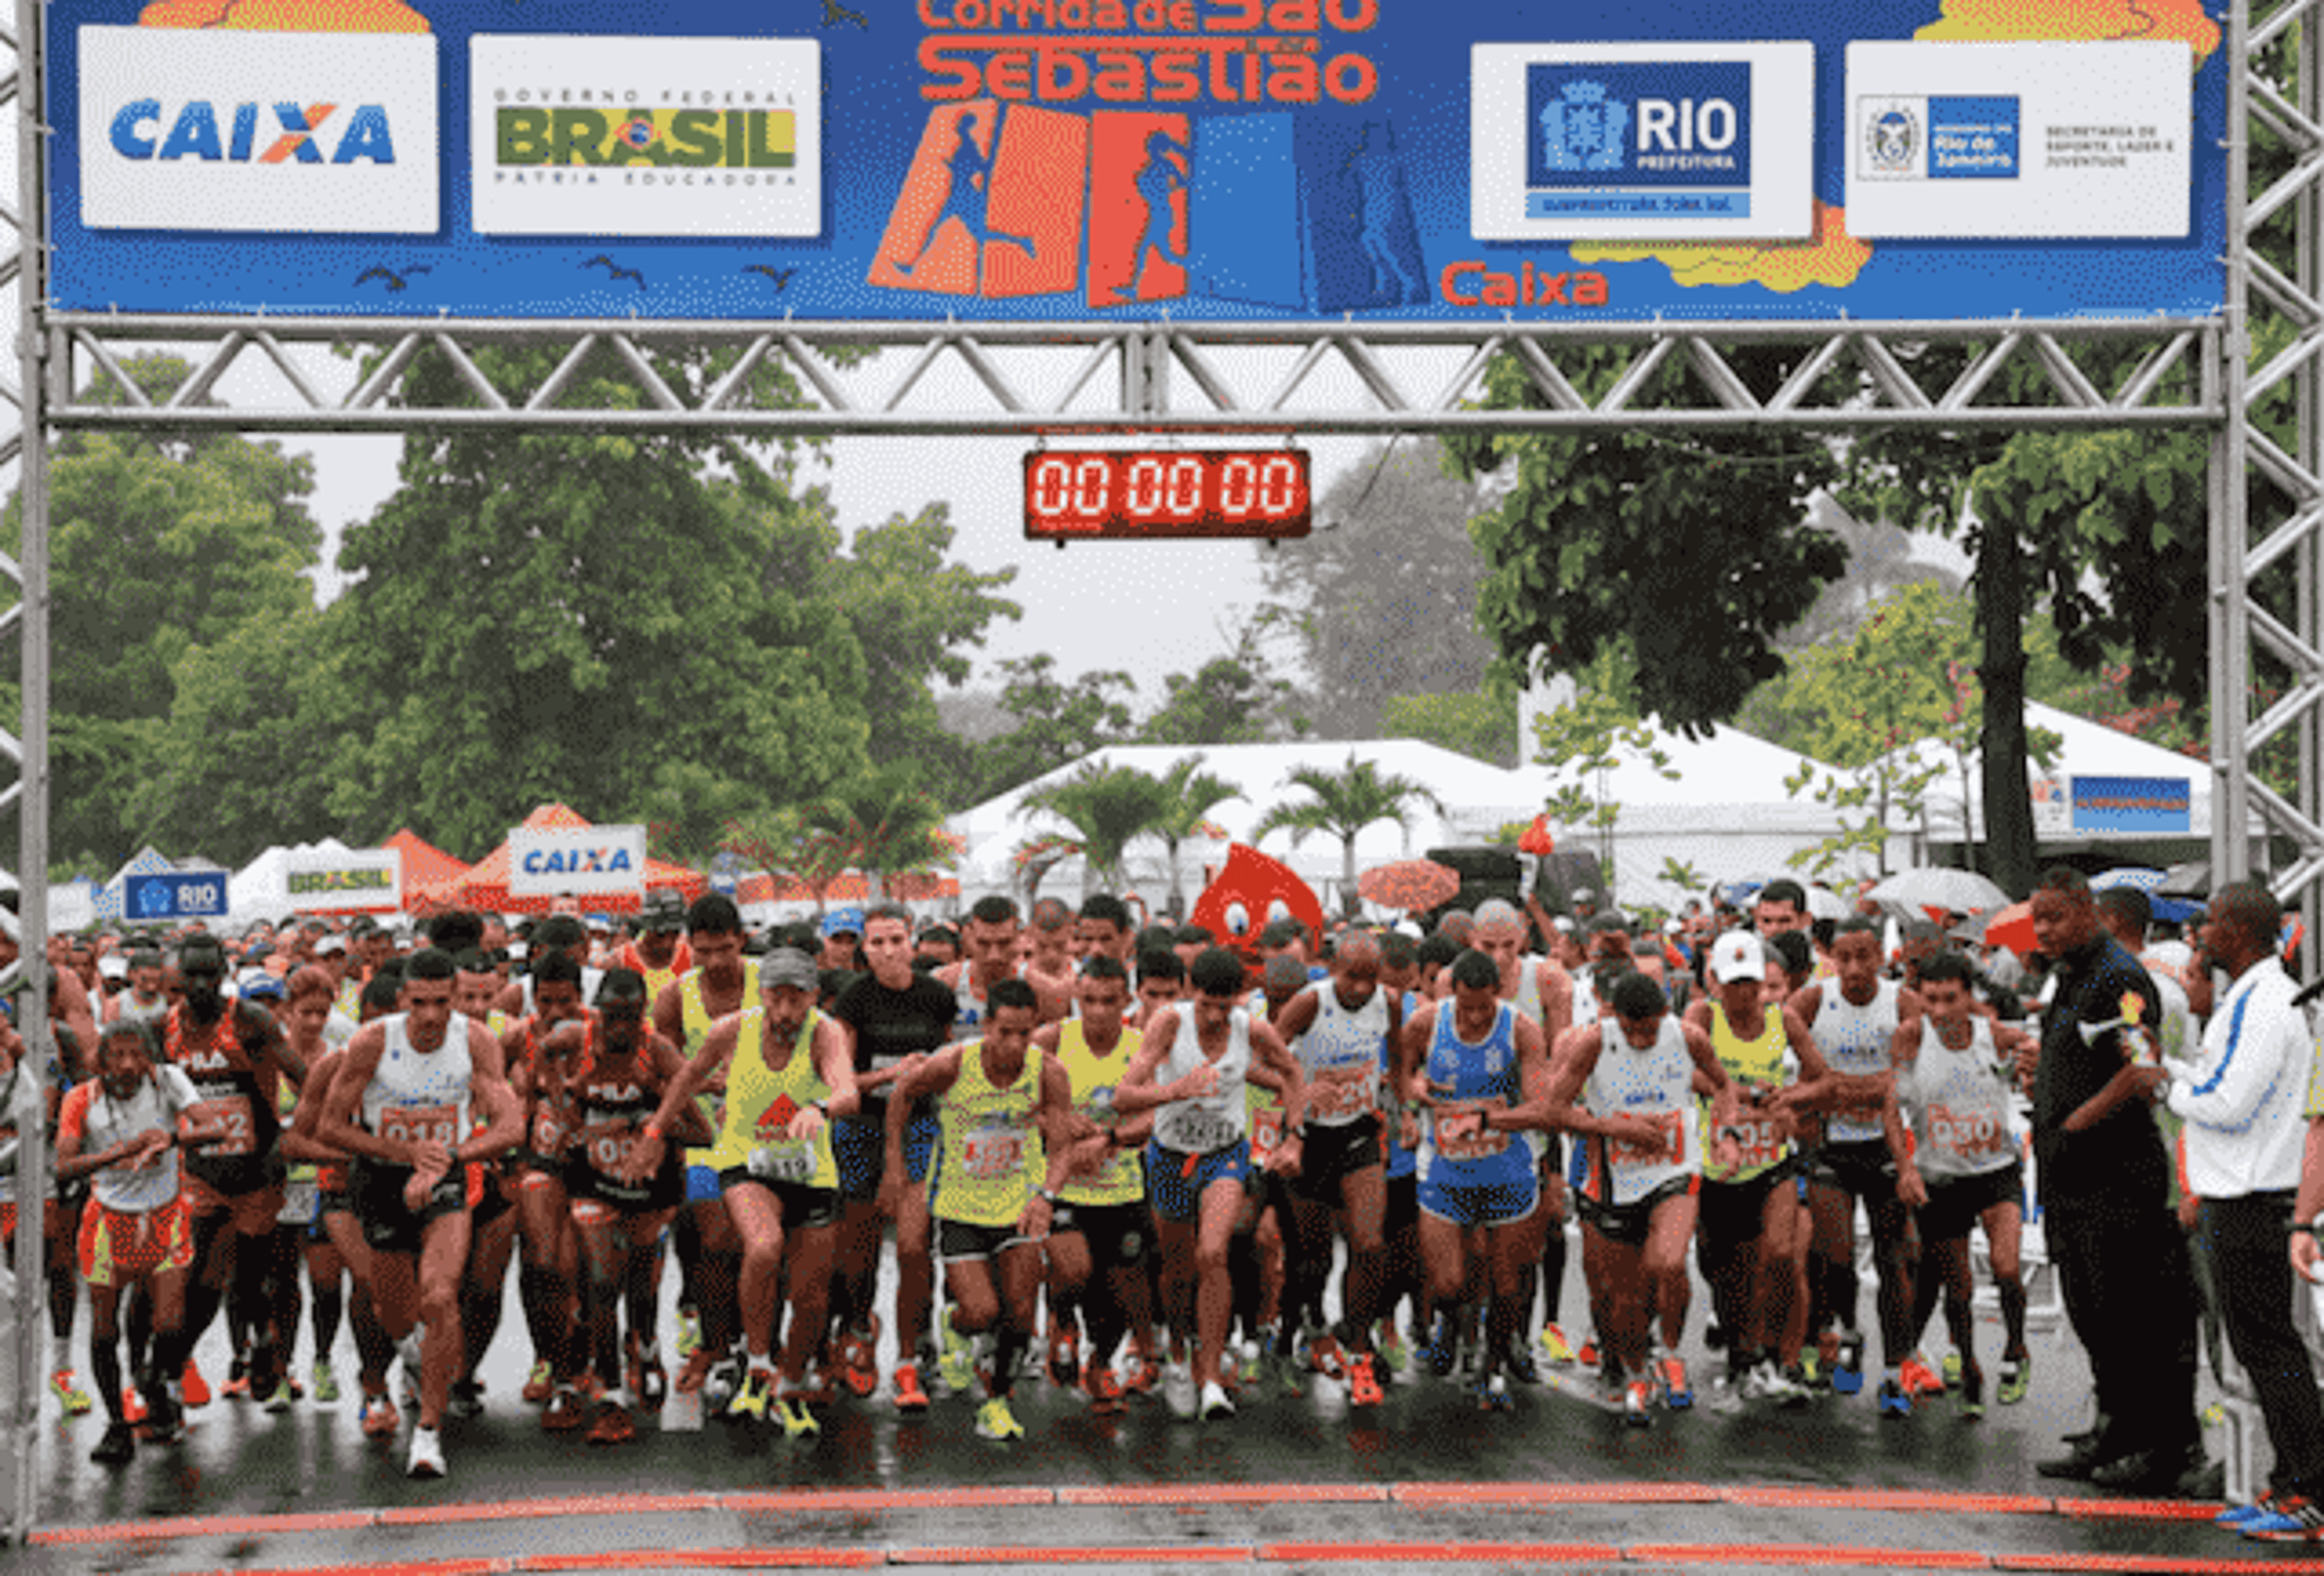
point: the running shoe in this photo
(408, 1350)
(612, 1425)
(1753, 1386)
(957, 1367)
(1848, 1372)
(1216, 1403)
(326, 1383)
(1326, 1355)
(2235, 1516)
(379, 1419)
(427, 1455)
(1972, 1391)
(1249, 1359)
(1919, 1378)
(1670, 1372)
(1145, 1373)
(165, 1418)
(1518, 1364)
(1363, 1381)
(995, 1421)
(1778, 1386)
(695, 1369)
(132, 1406)
(1637, 1403)
(1814, 1370)
(237, 1381)
(191, 1390)
(1798, 1381)
(724, 1383)
(1492, 1393)
(70, 1396)
(541, 1383)
(1951, 1370)
(2016, 1373)
(909, 1396)
(1064, 1353)
(2293, 1518)
(277, 1400)
(565, 1411)
(1286, 1369)
(1586, 1354)
(1895, 1400)
(689, 1333)
(791, 1412)
(118, 1445)
(1553, 1345)
(751, 1400)
(859, 1358)
(1391, 1348)
(648, 1380)
(1443, 1349)
(466, 1399)
(1103, 1388)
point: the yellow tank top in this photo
(992, 1158)
(1763, 1060)
(762, 1099)
(711, 1099)
(1122, 1180)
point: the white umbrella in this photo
(1956, 892)
(1824, 903)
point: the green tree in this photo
(1190, 794)
(884, 824)
(595, 619)
(1053, 723)
(1342, 804)
(1385, 590)
(1234, 699)
(1686, 557)
(1584, 739)
(1482, 726)
(161, 545)
(1106, 807)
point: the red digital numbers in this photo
(1096, 494)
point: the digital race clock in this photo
(1088, 495)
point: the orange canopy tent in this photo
(914, 887)
(486, 885)
(424, 865)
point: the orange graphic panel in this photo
(1035, 212)
(286, 15)
(1234, 907)
(1142, 178)
(2078, 19)
(992, 205)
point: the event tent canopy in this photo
(486, 885)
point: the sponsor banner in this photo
(277, 133)
(174, 895)
(2051, 141)
(2153, 805)
(1568, 162)
(1633, 141)
(645, 136)
(577, 862)
(357, 882)
(2052, 806)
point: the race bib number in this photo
(1761, 1141)
(609, 1146)
(790, 1161)
(1462, 1135)
(420, 1124)
(1199, 1133)
(1671, 1125)
(1266, 1134)
(548, 1133)
(1336, 1101)
(1971, 1135)
(300, 1200)
(991, 1153)
(241, 1135)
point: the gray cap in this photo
(787, 965)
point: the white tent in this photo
(261, 889)
(2090, 749)
(1476, 798)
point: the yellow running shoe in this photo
(995, 1421)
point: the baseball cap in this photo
(258, 985)
(663, 910)
(842, 922)
(331, 946)
(1738, 956)
(113, 966)
(787, 965)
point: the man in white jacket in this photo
(2244, 1103)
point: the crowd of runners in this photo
(1143, 1158)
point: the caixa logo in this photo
(575, 862)
(282, 132)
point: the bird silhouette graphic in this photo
(395, 282)
(780, 277)
(614, 270)
(834, 14)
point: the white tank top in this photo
(1340, 1055)
(1855, 1041)
(415, 1096)
(1657, 1083)
(1960, 1105)
(1215, 1120)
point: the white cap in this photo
(1738, 956)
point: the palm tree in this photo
(1106, 806)
(1344, 803)
(1191, 794)
(883, 823)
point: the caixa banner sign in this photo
(577, 862)
(349, 881)
(1078, 159)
